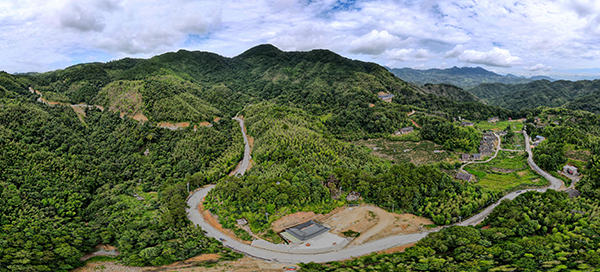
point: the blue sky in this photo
(559, 38)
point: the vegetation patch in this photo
(504, 173)
(499, 126)
(401, 151)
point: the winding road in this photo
(348, 252)
(246, 161)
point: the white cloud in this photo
(538, 67)
(400, 54)
(564, 34)
(496, 57)
(81, 18)
(374, 43)
(459, 49)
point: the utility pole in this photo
(393, 204)
(267, 214)
(188, 186)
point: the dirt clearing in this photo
(245, 264)
(140, 117)
(374, 223)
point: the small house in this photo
(502, 133)
(465, 157)
(539, 138)
(466, 124)
(536, 119)
(407, 130)
(488, 134)
(464, 176)
(241, 221)
(438, 151)
(571, 170)
(386, 97)
(476, 156)
(556, 123)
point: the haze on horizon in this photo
(558, 38)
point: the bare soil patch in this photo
(415, 123)
(245, 264)
(204, 124)
(374, 223)
(397, 249)
(172, 126)
(217, 119)
(140, 117)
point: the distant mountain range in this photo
(464, 77)
(577, 95)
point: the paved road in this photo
(246, 161)
(389, 242)
(555, 183)
(259, 253)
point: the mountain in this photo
(449, 91)
(196, 87)
(583, 94)
(465, 77)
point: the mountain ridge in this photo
(464, 77)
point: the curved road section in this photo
(346, 253)
(246, 161)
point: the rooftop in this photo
(463, 176)
(306, 230)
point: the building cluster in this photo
(487, 144)
(486, 147)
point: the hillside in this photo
(464, 77)
(449, 91)
(198, 86)
(574, 95)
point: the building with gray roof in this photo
(304, 231)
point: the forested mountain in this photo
(581, 94)
(198, 86)
(67, 186)
(449, 91)
(464, 77)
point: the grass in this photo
(499, 126)
(507, 172)
(96, 259)
(518, 139)
(419, 152)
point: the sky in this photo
(558, 38)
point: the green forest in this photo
(69, 183)
(66, 186)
